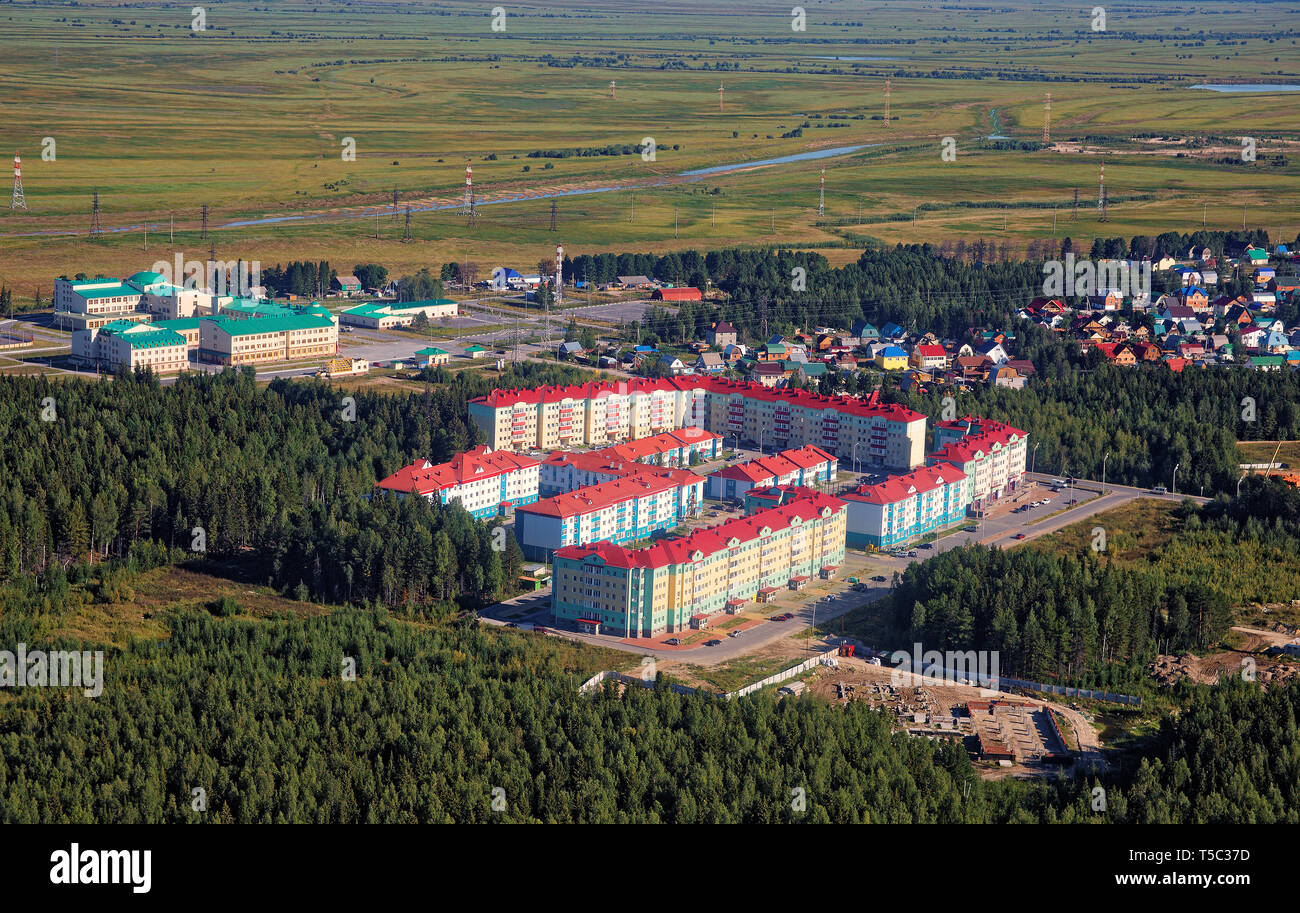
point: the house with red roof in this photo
(929, 357)
(485, 482)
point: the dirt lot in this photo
(1206, 670)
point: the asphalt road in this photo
(1000, 530)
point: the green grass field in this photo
(249, 117)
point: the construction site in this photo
(1013, 734)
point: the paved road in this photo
(1000, 530)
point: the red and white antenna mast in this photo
(1101, 188)
(468, 208)
(821, 196)
(18, 201)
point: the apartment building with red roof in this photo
(991, 454)
(866, 432)
(485, 482)
(567, 471)
(905, 507)
(646, 592)
(805, 466)
(631, 507)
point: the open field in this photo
(253, 124)
(1263, 451)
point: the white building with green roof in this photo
(230, 341)
(122, 343)
(380, 315)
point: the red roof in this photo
(983, 434)
(705, 541)
(777, 465)
(899, 488)
(931, 351)
(479, 463)
(842, 404)
(677, 294)
(606, 494)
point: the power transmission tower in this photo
(406, 232)
(553, 214)
(721, 89)
(821, 195)
(887, 87)
(612, 84)
(1047, 119)
(1075, 217)
(203, 233)
(96, 232)
(1101, 189)
(473, 211)
(1104, 216)
(18, 201)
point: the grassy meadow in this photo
(250, 116)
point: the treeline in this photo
(277, 476)
(1088, 619)
(441, 724)
(309, 280)
(589, 151)
(436, 719)
(1149, 421)
(1053, 617)
(1230, 756)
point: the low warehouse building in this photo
(381, 315)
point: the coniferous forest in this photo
(445, 720)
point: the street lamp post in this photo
(1173, 482)
(855, 457)
(1239, 481)
(1103, 471)
(1034, 456)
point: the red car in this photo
(1018, 536)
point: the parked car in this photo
(1018, 536)
(673, 642)
(879, 578)
(971, 529)
(912, 553)
(712, 643)
(1160, 490)
(734, 634)
(926, 545)
(511, 624)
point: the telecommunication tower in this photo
(468, 208)
(18, 201)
